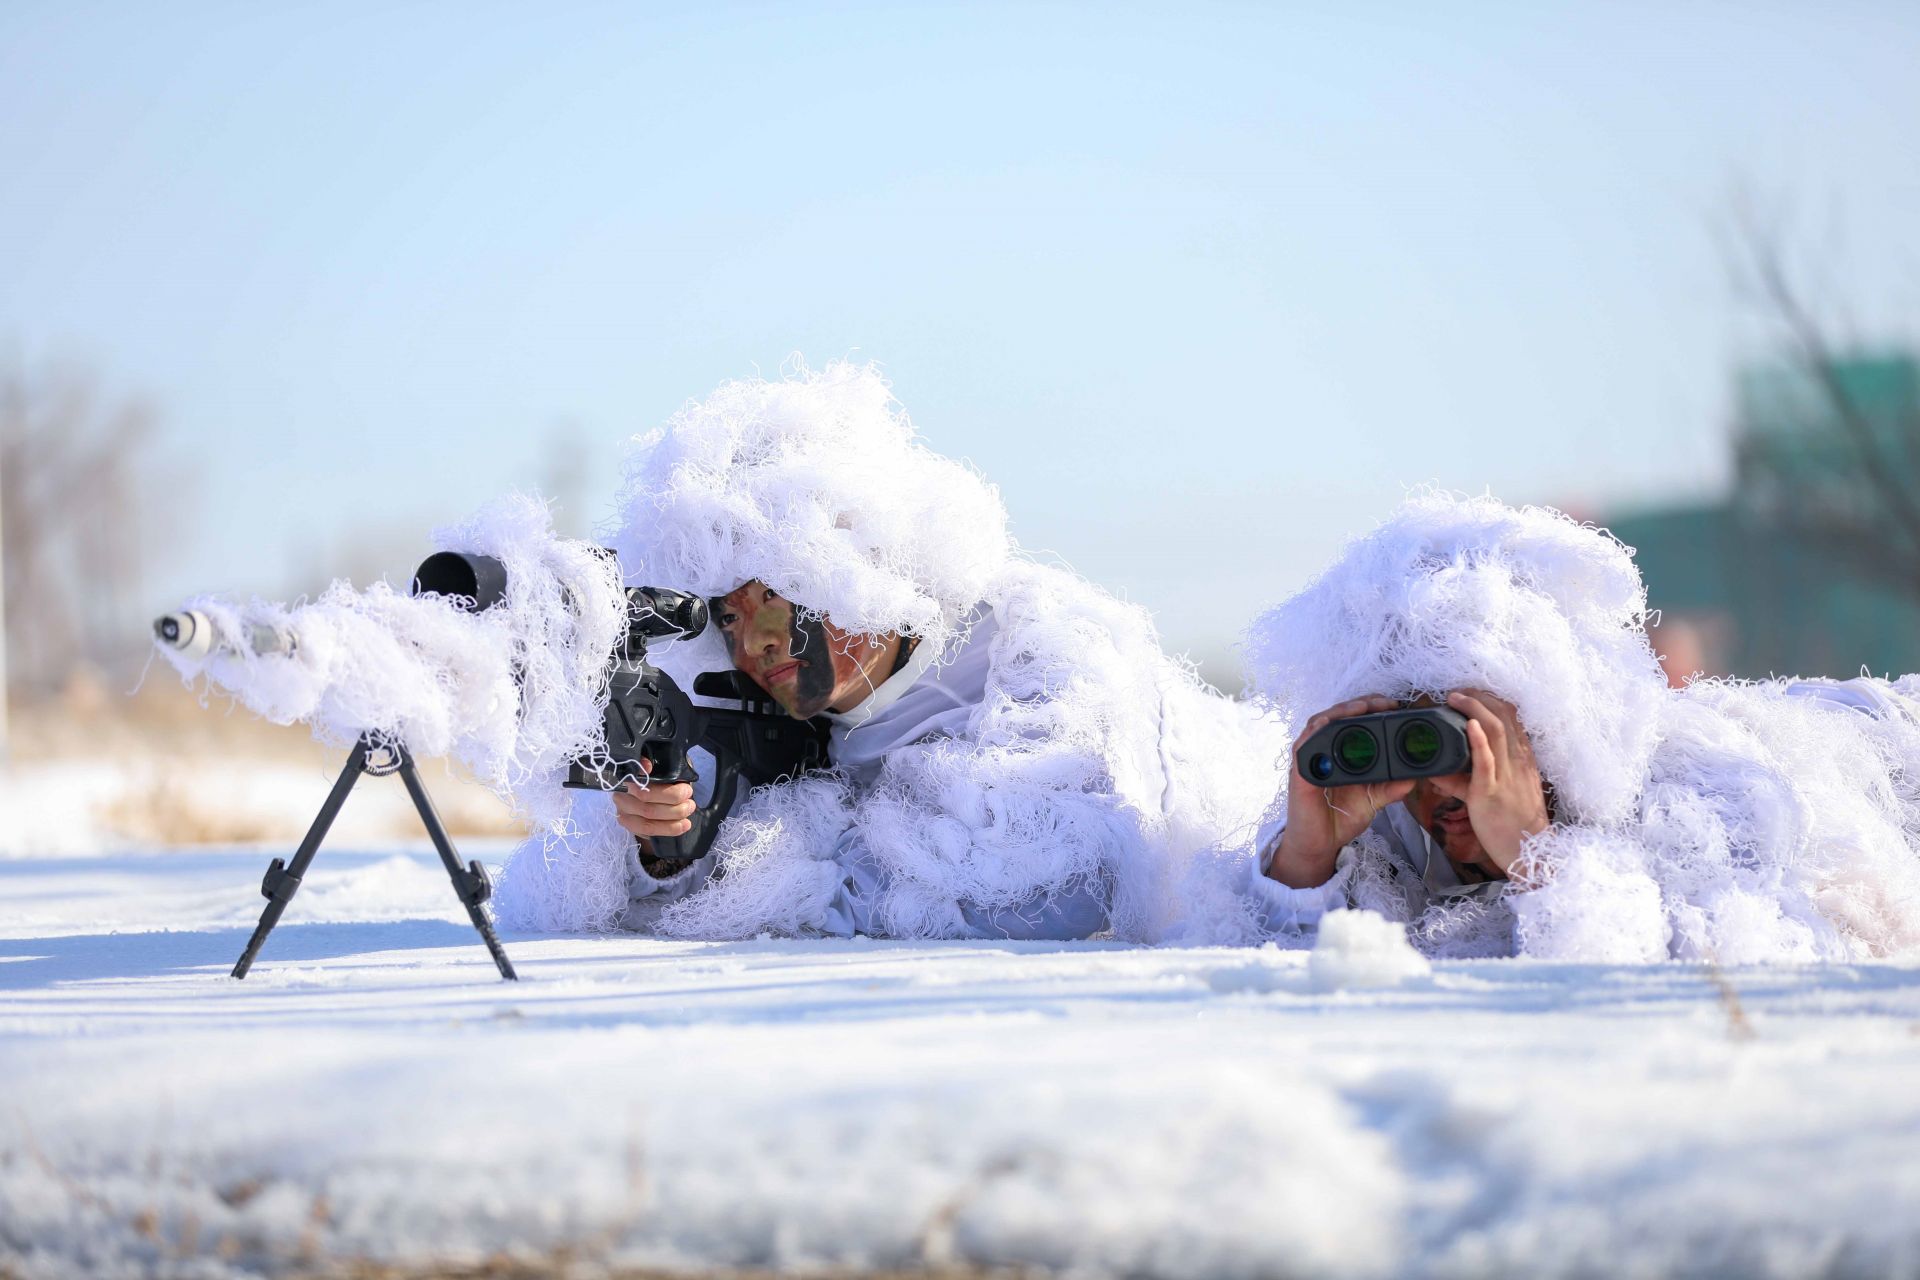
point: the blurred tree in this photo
(71, 472)
(1835, 459)
(1811, 564)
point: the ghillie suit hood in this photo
(1454, 593)
(1092, 757)
(818, 486)
(1731, 820)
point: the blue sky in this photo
(1203, 291)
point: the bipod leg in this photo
(471, 881)
(282, 880)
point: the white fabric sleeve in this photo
(1280, 908)
(648, 894)
(668, 888)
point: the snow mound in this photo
(1268, 969)
(1363, 950)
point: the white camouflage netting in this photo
(1094, 758)
(1523, 603)
(818, 486)
(513, 692)
(1773, 826)
(1732, 821)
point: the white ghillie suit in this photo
(1039, 764)
(513, 692)
(1732, 821)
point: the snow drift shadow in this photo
(27, 963)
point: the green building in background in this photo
(1812, 565)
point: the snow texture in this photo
(1093, 758)
(373, 1100)
(1741, 822)
(513, 692)
(1359, 950)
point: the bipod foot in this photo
(470, 882)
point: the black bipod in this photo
(379, 760)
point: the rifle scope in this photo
(481, 579)
(653, 613)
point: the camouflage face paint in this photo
(816, 680)
(800, 659)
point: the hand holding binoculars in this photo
(1386, 746)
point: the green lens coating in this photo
(1420, 744)
(1356, 750)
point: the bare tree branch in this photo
(1890, 554)
(71, 470)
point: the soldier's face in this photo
(1448, 822)
(802, 660)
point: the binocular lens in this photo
(1320, 767)
(1420, 743)
(1356, 749)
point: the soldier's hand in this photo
(1505, 799)
(1321, 821)
(655, 809)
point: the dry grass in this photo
(171, 759)
(171, 803)
(91, 719)
(1739, 1026)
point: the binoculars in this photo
(1387, 746)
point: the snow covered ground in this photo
(374, 1094)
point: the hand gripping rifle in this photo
(646, 717)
